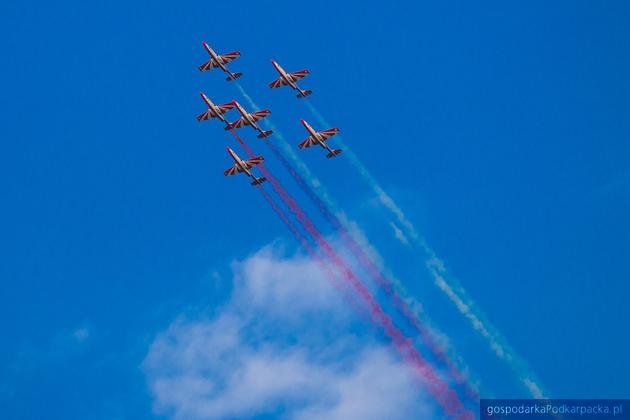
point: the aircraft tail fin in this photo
(258, 181)
(334, 153)
(265, 133)
(234, 76)
(304, 93)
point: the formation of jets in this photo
(251, 118)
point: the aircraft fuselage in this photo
(216, 58)
(286, 77)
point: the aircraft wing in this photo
(293, 76)
(206, 115)
(259, 115)
(326, 134)
(238, 123)
(299, 74)
(226, 58)
(277, 83)
(210, 64)
(232, 170)
(250, 163)
(225, 107)
(308, 142)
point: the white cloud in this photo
(284, 344)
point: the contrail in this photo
(448, 284)
(323, 201)
(446, 397)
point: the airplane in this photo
(289, 79)
(220, 61)
(319, 137)
(250, 118)
(214, 111)
(241, 165)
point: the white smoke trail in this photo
(445, 282)
(358, 235)
(399, 233)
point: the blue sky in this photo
(502, 131)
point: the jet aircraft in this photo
(250, 118)
(214, 111)
(289, 79)
(319, 137)
(220, 61)
(245, 166)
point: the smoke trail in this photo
(303, 241)
(295, 231)
(444, 281)
(446, 397)
(339, 221)
(384, 283)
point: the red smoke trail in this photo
(447, 398)
(384, 283)
(294, 230)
